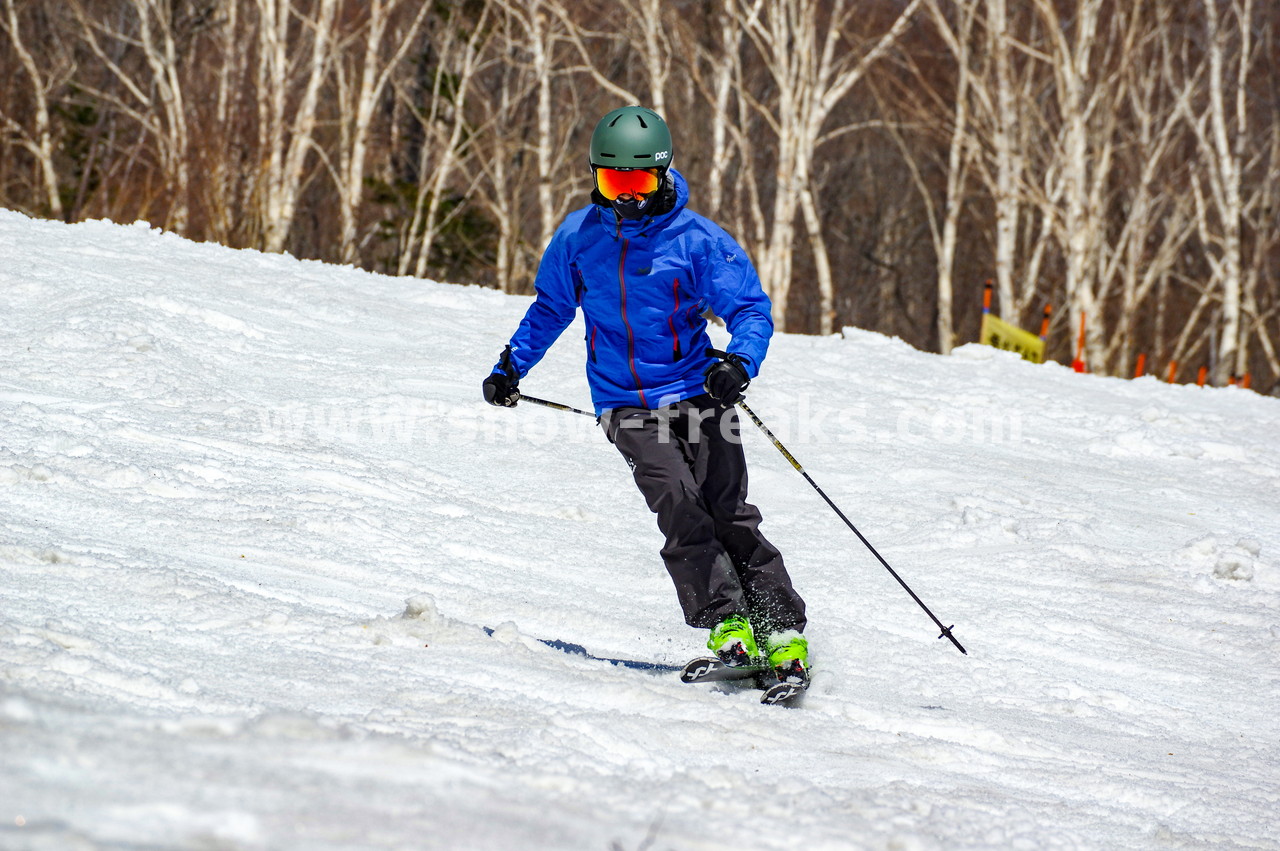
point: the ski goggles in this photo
(636, 182)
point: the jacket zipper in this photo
(631, 338)
(671, 320)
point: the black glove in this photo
(501, 388)
(725, 380)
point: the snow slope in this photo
(254, 520)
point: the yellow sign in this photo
(996, 332)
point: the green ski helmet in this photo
(631, 137)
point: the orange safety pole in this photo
(1078, 363)
(1142, 366)
(1044, 323)
(1204, 373)
(1248, 380)
(1173, 371)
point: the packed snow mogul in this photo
(644, 268)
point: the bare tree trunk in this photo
(1008, 160)
(810, 79)
(433, 217)
(657, 52)
(946, 238)
(500, 197)
(166, 121)
(536, 30)
(272, 86)
(1083, 159)
(41, 146)
(432, 188)
(1266, 238)
(162, 57)
(285, 159)
(220, 188)
(726, 69)
(1080, 222)
(375, 72)
(544, 142)
(1224, 171)
(1158, 222)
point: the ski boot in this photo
(788, 655)
(734, 643)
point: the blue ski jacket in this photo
(643, 286)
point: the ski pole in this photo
(520, 397)
(742, 403)
(946, 630)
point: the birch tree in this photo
(1008, 159)
(1261, 263)
(497, 160)
(444, 127)
(544, 148)
(224, 157)
(38, 140)
(652, 51)
(724, 59)
(812, 69)
(378, 57)
(1116, 157)
(944, 216)
(652, 20)
(1222, 131)
(286, 137)
(1158, 219)
(153, 95)
(538, 36)
(1083, 155)
(985, 117)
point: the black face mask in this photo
(636, 208)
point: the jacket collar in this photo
(631, 228)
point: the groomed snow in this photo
(254, 520)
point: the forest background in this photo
(881, 161)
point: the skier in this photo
(644, 268)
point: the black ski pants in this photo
(688, 462)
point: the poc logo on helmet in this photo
(661, 155)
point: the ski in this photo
(709, 669)
(578, 650)
(783, 692)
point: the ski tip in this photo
(698, 669)
(712, 669)
(781, 693)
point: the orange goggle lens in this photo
(614, 182)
